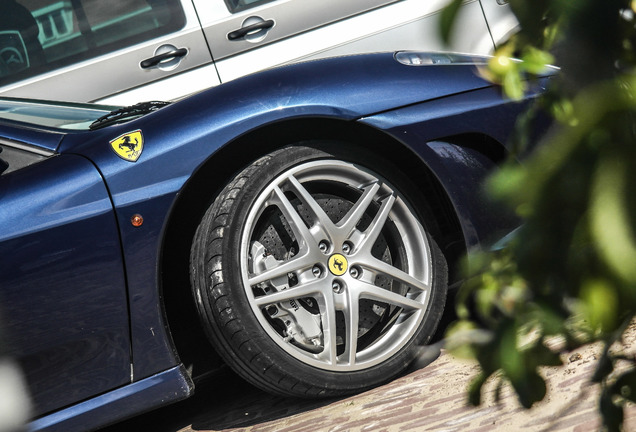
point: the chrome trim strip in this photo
(26, 147)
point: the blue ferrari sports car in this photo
(301, 225)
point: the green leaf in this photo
(563, 111)
(552, 323)
(502, 64)
(447, 19)
(536, 60)
(463, 339)
(542, 356)
(531, 389)
(474, 389)
(513, 85)
(510, 358)
(600, 304)
(507, 183)
(518, 367)
(611, 224)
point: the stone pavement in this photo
(429, 399)
(433, 399)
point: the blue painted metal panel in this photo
(64, 246)
(461, 170)
(46, 139)
(63, 277)
(150, 393)
(181, 137)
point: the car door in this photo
(90, 50)
(250, 35)
(502, 22)
(62, 286)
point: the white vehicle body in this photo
(202, 43)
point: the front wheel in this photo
(314, 275)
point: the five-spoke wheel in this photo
(316, 275)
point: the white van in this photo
(124, 51)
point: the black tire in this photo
(380, 270)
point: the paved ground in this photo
(429, 399)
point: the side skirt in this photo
(153, 392)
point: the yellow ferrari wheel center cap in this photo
(338, 264)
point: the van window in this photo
(239, 5)
(38, 36)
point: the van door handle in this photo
(154, 61)
(244, 31)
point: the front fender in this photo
(453, 137)
(462, 172)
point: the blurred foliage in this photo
(569, 272)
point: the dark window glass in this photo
(38, 36)
(239, 5)
(13, 159)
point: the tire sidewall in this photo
(259, 351)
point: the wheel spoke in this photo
(296, 264)
(327, 306)
(396, 274)
(304, 290)
(297, 224)
(352, 319)
(319, 216)
(373, 231)
(351, 323)
(351, 219)
(373, 292)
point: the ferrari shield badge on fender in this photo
(129, 145)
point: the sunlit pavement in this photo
(429, 399)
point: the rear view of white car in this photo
(123, 51)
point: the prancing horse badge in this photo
(129, 145)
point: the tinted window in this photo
(38, 36)
(52, 114)
(239, 5)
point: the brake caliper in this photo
(302, 327)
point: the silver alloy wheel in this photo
(354, 288)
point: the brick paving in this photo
(429, 399)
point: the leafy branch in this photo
(570, 269)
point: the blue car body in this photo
(89, 300)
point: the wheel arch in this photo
(182, 320)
